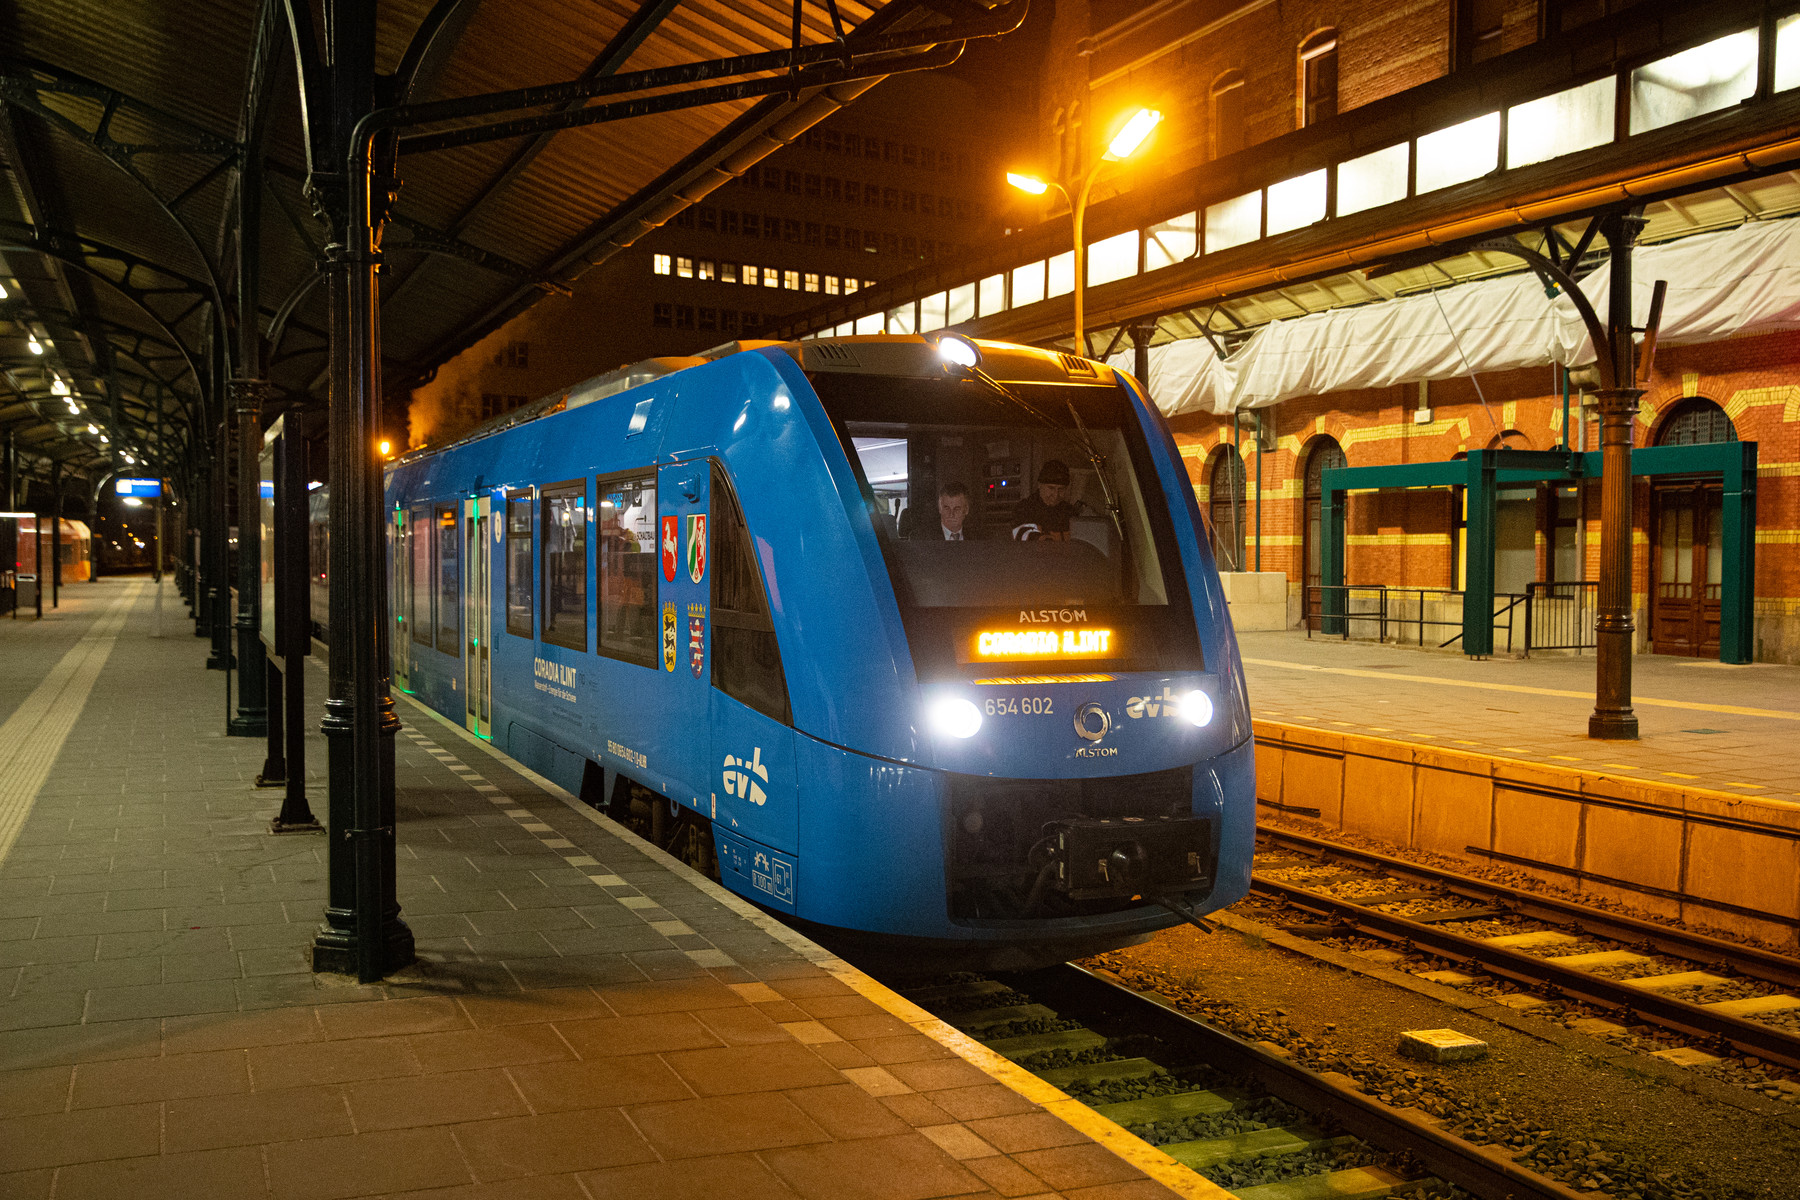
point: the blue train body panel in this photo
(824, 775)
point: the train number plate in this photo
(1021, 706)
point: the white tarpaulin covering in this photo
(1740, 281)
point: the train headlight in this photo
(1197, 707)
(959, 351)
(954, 717)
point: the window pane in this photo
(993, 295)
(900, 320)
(869, 324)
(961, 306)
(1171, 241)
(449, 598)
(1233, 222)
(1028, 284)
(627, 513)
(565, 566)
(1552, 126)
(1372, 180)
(1113, 258)
(746, 661)
(1694, 82)
(421, 590)
(931, 312)
(1464, 151)
(1296, 203)
(1060, 274)
(519, 578)
(1787, 53)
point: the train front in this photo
(1078, 766)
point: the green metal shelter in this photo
(1483, 472)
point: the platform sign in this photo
(147, 489)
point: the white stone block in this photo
(1441, 1045)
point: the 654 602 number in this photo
(1019, 706)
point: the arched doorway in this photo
(1686, 538)
(1322, 454)
(1225, 508)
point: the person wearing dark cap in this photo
(1044, 515)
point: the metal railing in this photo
(1560, 616)
(1401, 615)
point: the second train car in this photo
(913, 641)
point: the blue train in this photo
(913, 641)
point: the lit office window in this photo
(750, 274)
(1695, 82)
(831, 285)
(706, 270)
(1373, 180)
(772, 277)
(661, 264)
(850, 285)
(728, 272)
(1552, 126)
(811, 282)
(684, 267)
(1467, 150)
(790, 280)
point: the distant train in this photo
(818, 618)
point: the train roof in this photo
(906, 356)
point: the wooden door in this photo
(1687, 558)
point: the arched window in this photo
(1225, 508)
(1509, 438)
(1696, 421)
(1226, 114)
(1317, 78)
(1322, 454)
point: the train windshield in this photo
(1032, 499)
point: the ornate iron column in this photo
(251, 720)
(1615, 626)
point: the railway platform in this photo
(1699, 818)
(586, 1018)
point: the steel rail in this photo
(1485, 1172)
(1751, 961)
(1764, 1041)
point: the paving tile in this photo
(469, 1049)
(39, 951)
(1084, 1165)
(534, 1187)
(846, 1111)
(35, 1090)
(732, 1069)
(546, 1004)
(26, 1185)
(551, 1143)
(931, 1075)
(910, 1048)
(237, 1173)
(649, 1033)
(725, 1125)
(682, 996)
(1027, 1131)
(1130, 1189)
(906, 1167)
(232, 1031)
(982, 1100)
(301, 1064)
(916, 1109)
(43, 1009)
(690, 1179)
(1005, 1176)
(253, 1119)
(743, 1026)
(160, 1000)
(71, 924)
(169, 1077)
(434, 1100)
(600, 1083)
(367, 1164)
(54, 1139)
(386, 1018)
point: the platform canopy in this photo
(127, 128)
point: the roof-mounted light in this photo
(32, 344)
(958, 351)
(58, 387)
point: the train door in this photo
(478, 604)
(753, 784)
(681, 625)
(399, 598)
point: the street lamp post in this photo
(1124, 144)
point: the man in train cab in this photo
(953, 510)
(1044, 515)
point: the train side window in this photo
(519, 576)
(449, 581)
(746, 660)
(628, 583)
(565, 565)
(420, 593)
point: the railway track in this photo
(1240, 1114)
(1730, 995)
